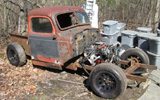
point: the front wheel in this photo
(108, 81)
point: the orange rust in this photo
(49, 11)
(132, 68)
(40, 34)
(137, 78)
(53, 12)
(88, 67)
(65, 51)
(44, 64)
(73, 66)
(46, 59)
(124, 62)
(134, 61)
(148, 66)
(22, 40)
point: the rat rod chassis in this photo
(105, 78)
(133, 64)
(131, 69)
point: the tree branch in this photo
(12, 10)
(13, 3)
(36, 4)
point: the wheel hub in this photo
(134, 60)
(12, 56)
(106, 83)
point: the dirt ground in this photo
(39, 83)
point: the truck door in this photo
(43, 44)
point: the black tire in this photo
(137, 53)
(16, 54)
(108, 81)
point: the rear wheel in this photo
(16, 54)
(137, 54)
(108, 81)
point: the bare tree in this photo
(156, 19)
(13, 13)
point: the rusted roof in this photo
(48, 11)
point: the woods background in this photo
(135, 13)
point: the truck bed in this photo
(22, 40)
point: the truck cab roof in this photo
(49, 11)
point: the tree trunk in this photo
(21, 21)
(156, 19)
(149, 19)
(5, 18)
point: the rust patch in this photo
(63, 49)
(137, 78)
(49, 65)
(22, 40)
(133, 66)
(46, 59)
(88, 67)
(73, 66)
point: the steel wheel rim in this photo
(13, 57)
(129, 59)
(137, 57)
(105, 83)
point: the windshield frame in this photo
(74, 14)
(82, 13)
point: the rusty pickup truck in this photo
(61, 37)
